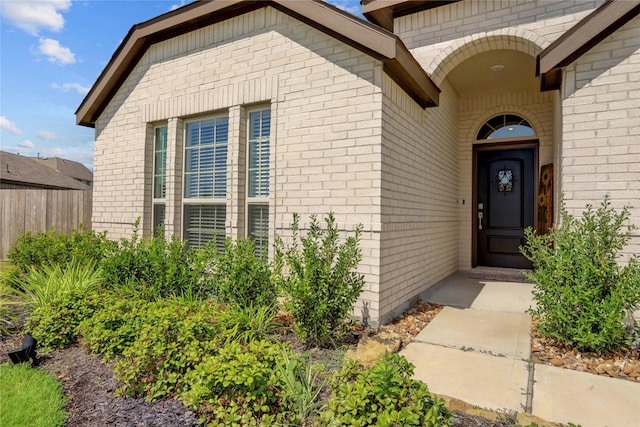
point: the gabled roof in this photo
(66, 167)
(586, 34)
(17, 169)
(362, 35)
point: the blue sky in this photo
(51, 52)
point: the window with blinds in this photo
(205, 181)
(159, 176)
(259, 145)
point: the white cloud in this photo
(49, 136)
(56, 54)
(66, 87)
(8, 126)
(176, 6)
(32, 16)
(26, 144)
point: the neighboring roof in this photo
(586, 34)
(66, 167)
(383, 12)
(362, 35)
(17, 169)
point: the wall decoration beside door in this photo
(545, 199)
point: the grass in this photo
(5, 266)
(30, 397)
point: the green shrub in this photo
(321, 283)
(9, 306)
(154, 268)
(384, 395)
(247, 323)
(44, 249)
(173, 340)
(116, 325)
(240, 277)
(55, 324)
(30, 397)
(582, 293)
(239, 385)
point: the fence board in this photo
(37, 210)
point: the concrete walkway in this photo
(478, 350)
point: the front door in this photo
(504, 205)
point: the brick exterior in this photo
(346, 138)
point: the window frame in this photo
(158, 201)
(263, 200)
(220, 201)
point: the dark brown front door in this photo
(504, 205)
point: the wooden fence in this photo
(37, 210)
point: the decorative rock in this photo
(372, 347)
(556, 361)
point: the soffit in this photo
(515, 71)
(383, 12)
(371, 39)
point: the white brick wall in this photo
(419, 243)
(601, 127)
(325, 99)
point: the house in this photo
(18, 171)
(75, 170)
(36, 198)
(444, 127)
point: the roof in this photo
(583, 36)
(381, 44)
(66, 167)
(17, 169)
(383, 12)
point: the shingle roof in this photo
(67, 167)
(18, 169)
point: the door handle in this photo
(480, 216)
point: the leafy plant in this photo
(240, 277)
(582, 292)
(155, 268)
(30, 397)
(116, 325)
(383, 395)
(239, 385)
(174, 338)
(55, 324)
(246, 324)
(49, 248)
(321, 283)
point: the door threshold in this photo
(499, 273)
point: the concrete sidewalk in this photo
(478, 350)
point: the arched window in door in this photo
(505, 126)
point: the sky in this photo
(51, 53)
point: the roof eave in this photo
(582, 37)
(371, 39)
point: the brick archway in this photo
(509, 38)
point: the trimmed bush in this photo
(320, 279)
(156, 268)
(582, 292)
(239, 277)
